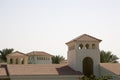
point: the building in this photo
(83, 51)
(83, 59)
(17, 58)
(34, 57)
(39, 57)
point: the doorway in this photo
(87, 66)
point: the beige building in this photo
(34, 57)
(39, 57)
(17, 58)
(83, 51)
(83, 59)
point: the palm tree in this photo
(57, 59)
(107, 57)
(4, 53)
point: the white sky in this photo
(46, 25)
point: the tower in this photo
(84, 54)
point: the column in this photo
(19, 60)
(14, 60)
(8, 60)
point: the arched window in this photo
(87, 46)
(93, 46)
(48, 58)
(40, 57)
(43, 58)
(11, 61)
(80, 46)
(16, 61)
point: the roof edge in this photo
(82, 36)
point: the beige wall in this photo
(17, 59)
(76, 55)
(39, 59)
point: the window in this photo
(80, 46)
(93, 46)
(38, 58)
(87, 46)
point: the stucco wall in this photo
(76, 56)
(72, 59)
(35, 60)
(93, 54)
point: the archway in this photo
(11, 61)
(87, 66)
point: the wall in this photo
(92, 53)
(39, 60)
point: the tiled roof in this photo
(81, 36)
(15, 54)
(41, 69)
(37, 53)
(113, 67)
(3, 71)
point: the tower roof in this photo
(85, 37)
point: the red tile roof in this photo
(113, 67)
(39, 53)
(41, 69)
(16, 53)
(79, 37)
(3, 71)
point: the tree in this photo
(57, 59)
(107, 57)
(4, 53)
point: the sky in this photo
(46, 25)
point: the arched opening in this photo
(93, 46)
(80, 46)
(11, 61)
(87, 66)
(17, 61)
(87, 46)
(22, 60)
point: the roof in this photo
(39, 53)
(16, 54)
(3, 71)
(113, 67)
(85, 37)
(41, 69)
